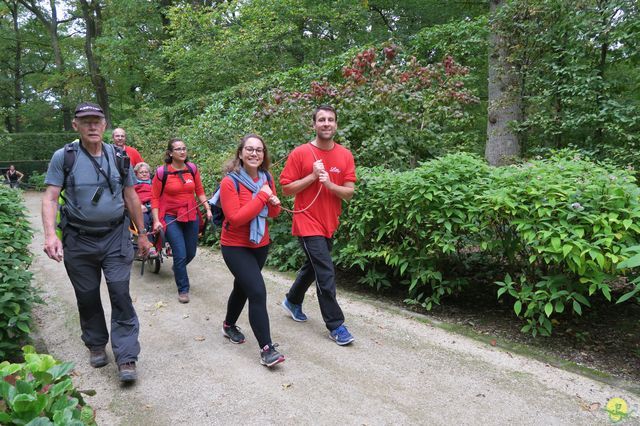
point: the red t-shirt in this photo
(239, 209)
(177, 198)
(321, 219)
(134, 155)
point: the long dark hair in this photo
(234, 164)
(167, 153)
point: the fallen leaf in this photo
(286, 385)
(160, 304)
(493, 342)
(481, 395)
(199, 338)
(185, 316)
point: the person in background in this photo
(174, 209)
(119, 137)
(143, 189)
(321, 174)
(95, 237)
(247, 196)
(14, 177)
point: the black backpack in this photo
(216, 211)
(123, 163)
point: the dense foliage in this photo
(40, 391)
(16, 294)
(551, 232)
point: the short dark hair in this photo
(325, 108)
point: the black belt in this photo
(89, 232)
(94, 229)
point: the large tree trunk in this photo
(92, 18)
(51, 24)
(505, 101)
(15, 125)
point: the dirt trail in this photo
(399, 370)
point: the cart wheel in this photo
(154, 264)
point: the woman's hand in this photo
(274, 200)
(157, 226)
(267, 190)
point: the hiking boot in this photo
(269, 356)
(341, 336)
(183, 297)
(98, 358)
(233, 333)
(294, 310)
(127, 372)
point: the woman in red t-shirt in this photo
(175, 209)
(247, 196)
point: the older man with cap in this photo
(119, 137)
(98, 185)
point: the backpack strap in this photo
(123, 163)
(163, 171)
(70, 154)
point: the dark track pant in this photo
(246, 265)
(319, 268)
(85, 258)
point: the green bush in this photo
(564, 225)
(550, 232)
(40, 391)
(36, 181)
(16, 294)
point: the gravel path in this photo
(400, 369)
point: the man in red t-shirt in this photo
(119, 137)
(320, 174)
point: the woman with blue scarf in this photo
(247, 196)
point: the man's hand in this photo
(53, 248)
(318, 168)
(324, 178)
(143, 245)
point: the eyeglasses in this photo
(142, 172)
(251, 150)
(180, 149)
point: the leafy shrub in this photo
(565, 224)
(552, 231)
(36, 181)
(410, 227)
(16, 293)
(40, 391)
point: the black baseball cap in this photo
(86, 109)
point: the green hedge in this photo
(32, 146)
(550, 233)
(16, 294)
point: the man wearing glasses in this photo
(95, 237)
(320, 174)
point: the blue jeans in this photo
(183, 239)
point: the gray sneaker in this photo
(233, 333)
(269, 356)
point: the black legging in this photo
(246, 265)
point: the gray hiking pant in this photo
(85, 257)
